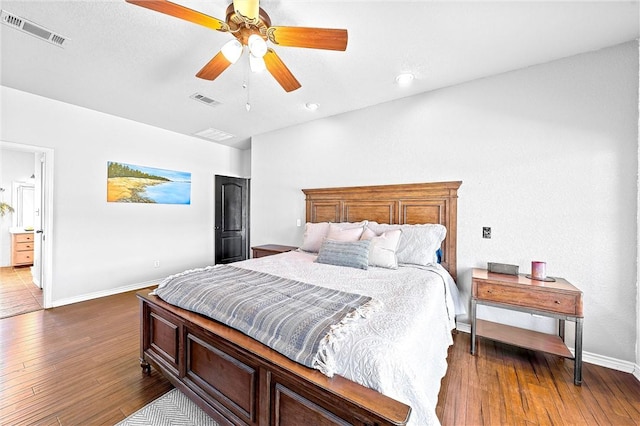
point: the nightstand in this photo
(559, 299)
(270, 249)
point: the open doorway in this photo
(24, 231)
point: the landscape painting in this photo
(128, 183)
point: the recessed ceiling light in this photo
(404, 79)
(311, 106)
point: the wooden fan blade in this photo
(247, 8)
(280, 72)
(313, 38)
(173, 9)
(214, 67)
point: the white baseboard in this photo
(605, 361)
(110, 292)
(464, 327)
(601, 360)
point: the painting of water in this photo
(128, 183)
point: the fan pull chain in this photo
(245, 85)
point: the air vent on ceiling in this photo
(214, 135)
(30, 28)
(205, 100)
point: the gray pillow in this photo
(352, 254)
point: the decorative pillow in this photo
(314, 234)
(350, 225)
(352, 254)
(338, 233)
(418, 244)
(383, 248)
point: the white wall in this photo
(15, 166)
(637, 366)
(102, 247)
(548, 157)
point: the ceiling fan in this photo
(251, 27)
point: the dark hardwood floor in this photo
(78, 365)
(74, 365)
(506, 385)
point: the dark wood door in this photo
(232, 219)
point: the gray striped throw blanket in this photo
(296, 319)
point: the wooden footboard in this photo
(239, 381)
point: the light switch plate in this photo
(486, 232)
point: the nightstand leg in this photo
(473, 327)
(577, 369)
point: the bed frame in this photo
(238, 380)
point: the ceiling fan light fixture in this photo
(256, 63)
(257, 45)
(232, 50)
(251, 26)
(404, 79)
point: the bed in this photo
(239, 380)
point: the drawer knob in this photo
(557, 302)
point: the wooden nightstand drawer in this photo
(527, 297)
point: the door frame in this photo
(45, 255)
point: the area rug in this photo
(172, 408)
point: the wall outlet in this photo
(486, 232)
(298, 222)
(156, 263)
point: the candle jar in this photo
(538, 270)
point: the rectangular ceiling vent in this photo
(205, 100)
(30, 28)
(214, 135)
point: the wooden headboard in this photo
(396, 204)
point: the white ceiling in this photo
(135, 63)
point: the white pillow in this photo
(418, 244)
(338, 233)
(350, 225)
(383, 248)
(315, 233)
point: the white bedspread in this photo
(400, 350)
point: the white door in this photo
(39, 224)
